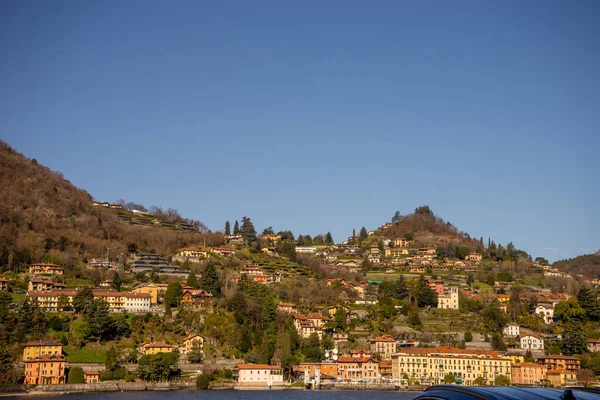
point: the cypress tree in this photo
(227, 228)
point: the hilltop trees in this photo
(236, 228)
(227, 228)
(424, 210)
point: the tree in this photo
(588, 299)
(159, 367)
(363, 234)
(5, 302)
(203, 381)
(116, 282)
(210, 280)
(470, 279)
(529, 356)
(574, 338)
(112, 359)
(569, 310)
(311, 348)
(396, 217)
(268, 231)
(173, 293)
(287, 249)
(329, 238)
(100, 325)
(340, 318)
(247, 230)
(586, 376)
(168, 312)
(192, 281)
(502, 380)
(424, 295)
(498, 342)
(236, 228)
(449, 379)
(83, 299)
(424, 210)
(413, 316)
(227, 228)
(479, 381)
(468, 336)
(366, 265)
(541, 261)
(494, 319)
(75, 375)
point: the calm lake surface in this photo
(241, 395)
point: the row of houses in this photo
(426, 366)
(59, 300)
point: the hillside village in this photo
(414, 302)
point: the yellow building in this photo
(155, 348)
(45, 269)
(38, 349)
(191, 342)
(430, 365)
(156, 290)
(561, 377)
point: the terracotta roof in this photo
(556, 357)
(559, 371)
(47, 357)
(448, 350)
(355, 359)
(157, 344)
(529, 364)
(256, 366)
(43, 343)
(91, 372)
(385, 338)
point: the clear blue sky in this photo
(319, 116)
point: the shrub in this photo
(203, 381)
(75, 375)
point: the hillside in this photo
(587, 265)
(427, 229)
(43, 217)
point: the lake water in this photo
(241, 395)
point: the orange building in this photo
(528, 373)
(91, 376)
(560, 362)
(45, 269)
(45, 370)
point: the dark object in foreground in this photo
(453, 392)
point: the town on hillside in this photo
(410, 304)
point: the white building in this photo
(449, 300)
(137, 302)
(512, 330)
(530, 342)
(259, 375)
(306, 250)
(546, 311)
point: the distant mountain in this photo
(587, 265)
(45, 217)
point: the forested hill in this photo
(425, 228)
(43, 217)
(587, 265)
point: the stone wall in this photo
(114, 387)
